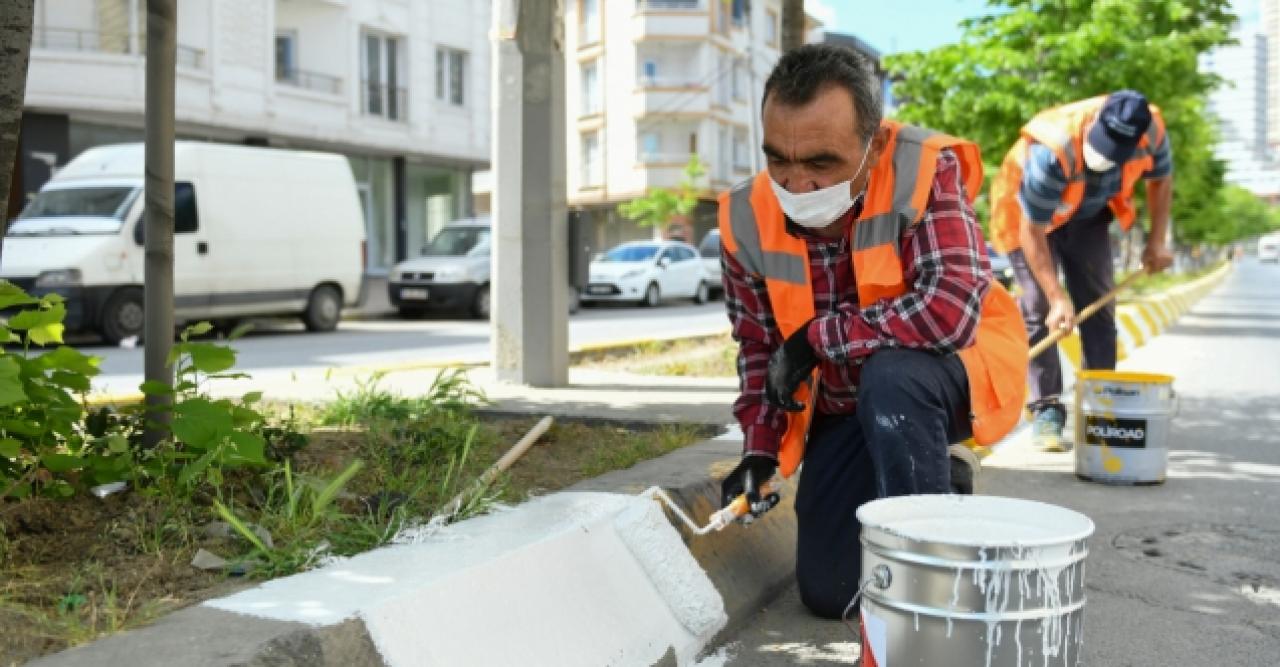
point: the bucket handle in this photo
(881, 577)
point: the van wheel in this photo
(480, 305)
(123, 316)
(324, 309)
(652, 297)
(703, 294)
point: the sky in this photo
(912, 25)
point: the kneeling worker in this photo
(871, 335)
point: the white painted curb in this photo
(573, 578)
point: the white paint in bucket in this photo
(952, 577)
(1122, 426)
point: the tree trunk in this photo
(16, 17)
(792, 24)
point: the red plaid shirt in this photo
(944, 262)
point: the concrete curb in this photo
(439, 600)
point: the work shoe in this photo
(964, 469)
(1046, 429)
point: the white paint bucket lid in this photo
(978, 521)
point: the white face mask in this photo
(1095, 161)
(820, 208)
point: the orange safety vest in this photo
(1063, 129)
(753, 230)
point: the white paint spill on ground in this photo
(567, 579)
(721, 657)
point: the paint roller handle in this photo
(1088, 311)
(741, 507)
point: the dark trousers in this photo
(911, 405)
(1082, 249)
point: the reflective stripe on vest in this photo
(753, 230)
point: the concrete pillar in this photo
(530, 273)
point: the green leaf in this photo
(10, 448)
(11, 386)
(69, 359)
(117, 444)
(11, 295)
(210, 358)
(240, 527)
(251, 397)
(155, 388)
(201, 423)
(38, 318)
(60, 463)
(240, 331)
(197, 329)
(73, 381)
(249, 447)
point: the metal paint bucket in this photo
(972, 580)
(1122, 426)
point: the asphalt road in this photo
(1184, 573)
(279, 347)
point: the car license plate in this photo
(413, 293)
(598, 289)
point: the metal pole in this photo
(158, 277)
(531, 281)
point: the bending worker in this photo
(1070, 174)
(870, 332)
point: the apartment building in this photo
(650, 83)
(401, 87)
(1241, 107)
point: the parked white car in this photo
(710, 251)
(647, 272)
(257, 232)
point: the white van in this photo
(1269, 248)
(257, 232)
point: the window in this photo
(592, 167)
(590, 21)
(381, 62)
(771, 27)
(683, 254)
(451, 76)
(724, 156)
(724, 80)
(186, 219)
(739, 86)
(591, 100)
(741, 151)
(286, 56)
(650, 146)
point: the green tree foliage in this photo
(1028, 55)
(660, 205)
(1243, 216)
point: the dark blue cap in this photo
(1124, 118)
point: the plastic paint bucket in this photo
(972, 580)
(1122, 426)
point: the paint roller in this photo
(719, 519)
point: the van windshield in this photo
(456, 241)
(97, 202)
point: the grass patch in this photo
(352, 473)
(1148, 284)
(712, 356)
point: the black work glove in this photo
(752, 471)
(790, 365)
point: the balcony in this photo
(670, 18)
(391, 103)
(680, 99)
(313, 81)
(93, 41)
